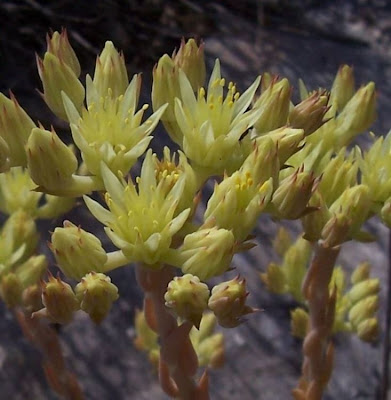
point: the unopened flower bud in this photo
(291, 198)
(96, 295)
(273, 106)
(274, 278)
(165, 89)
(15, 129)
(110, 72)
(207, 252)
(343, 87)
(51, 163)
(228, 302)
(308, 115)
(188, 297)
(77, 252)
(314, 222)
(339, 174)
(364, 289)
(31, 271)
(355, 204)
(208, 345)
(361, 273)
(190, 59)
(58, 45)
(11, 290)
(57, 76)
(363, 309)
(59, 300)
(288, 141)
(357, 116)
(299, 322)
(282, 241)
(32, 298)
(336, 230)
(368, 330)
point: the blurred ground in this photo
(297, 39)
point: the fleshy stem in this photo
(39, 333)
(318, 350)
(178, 361)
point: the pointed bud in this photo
(368, 330)
(336, 230)
(308, 115)
(288, 141)
(314, 222)
(273, 106)
(58, 45)
(187, 297)
(51, 163)
(274, 279)
(59, 300)
(165, 89)
(364, 309)
(208, 345)
(282, 241)
(343, 87)
(357, 116)
(364, 289)
(361, 273)
(32, 298)
(15, 129)
(339, 174)
(57, 77)
(77, 252)
(299, 323)
(228, 302)
(207, 252)
(355, 203)
(11, 290)
(190, 59)
(110, 72)
(291, 198)
(96, 295)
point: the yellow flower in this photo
(110, 129)
(141, 221)
(239, 199)
(213, 123)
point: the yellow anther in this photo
(211, 98)
(120, 98)
(230, 104)
(91, 106)
(201, 92)
(126, 120)
(230, 85)
(237, 94)
(222, 82)
(249, 182)
(107, 197)
(220, 100)
(145, 107)
(211, 106)
(215, 83)
(138, 180)
(237, 186)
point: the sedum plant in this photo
(265, 154)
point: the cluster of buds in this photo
(288, 276)
(95, 295)
(355, 307)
